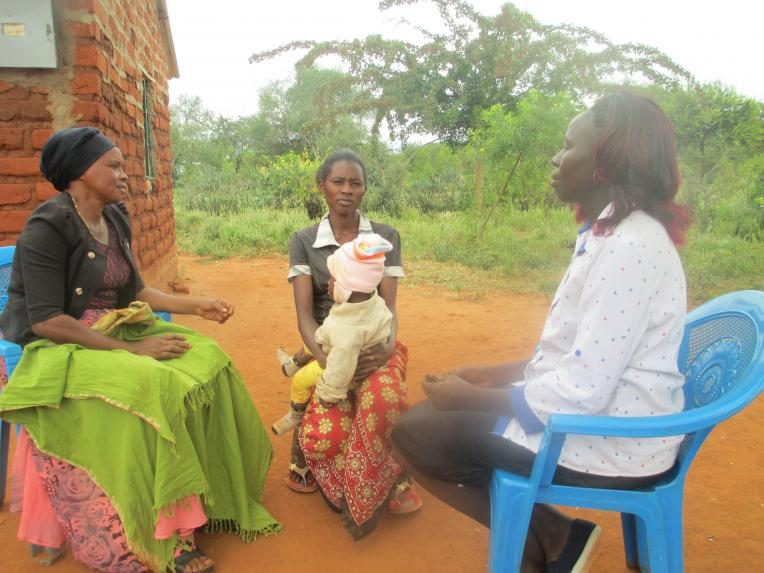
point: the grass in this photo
(521, 251)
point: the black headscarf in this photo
(70, 152)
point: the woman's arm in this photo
(302, 287)
(64, 329)
(450, 392)
(208, 308)
(480, 388)
(492, 376)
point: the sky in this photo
(714, 40)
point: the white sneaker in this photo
(287, 423)
(288, 366)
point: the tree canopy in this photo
(441, 85)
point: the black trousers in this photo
(458, 446)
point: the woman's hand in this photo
(161, 347)
(449, 392)
(371, 359)
(214, 309)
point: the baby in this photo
(358, 320)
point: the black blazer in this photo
(57, 269)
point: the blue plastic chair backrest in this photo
(716, 352)
(6, 260)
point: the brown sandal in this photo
(301, 479)
(405, 499)
(186, 557)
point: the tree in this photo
(311, 115)
(720, 135)
(441, 85)
(193, 131)
(516, 148)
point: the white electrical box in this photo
(27, 34)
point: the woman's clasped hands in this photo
(448, 391)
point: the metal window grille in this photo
(148, 129)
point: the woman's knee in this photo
(412, 428)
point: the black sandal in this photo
(578, 553)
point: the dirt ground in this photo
(724, 500)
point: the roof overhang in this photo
(169, 46)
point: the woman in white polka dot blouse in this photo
(609, 345)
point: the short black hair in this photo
(334, 157)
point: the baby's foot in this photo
(288, 366)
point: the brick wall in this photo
(106, 48)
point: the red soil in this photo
(724, 502)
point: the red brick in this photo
(39, 90)
(86, 55)
(100, 13)
(15, 193)
(114, 75)
(86, 5)
(13, 221)
(86, 83)
(19, 166)
(40, 136)
(36, 109)
(90, 111)
(32, 110)
(11, 138)
(81, 29)
(44, 190)
(102, 63)
(15, 93)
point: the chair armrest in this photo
(560, 425)
(11, 353)
(656, 426)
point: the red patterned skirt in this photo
(347, 447)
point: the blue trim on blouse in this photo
(584, 228)
(528, 420)
(502, 422)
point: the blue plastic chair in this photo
(722, 357)
(11, 353)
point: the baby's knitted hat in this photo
(360, 264)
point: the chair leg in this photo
(643, 546)
(5, 434)
(510, 520)
(653, 550)
(629, 526)
(673, 520)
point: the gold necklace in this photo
(90, 229)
